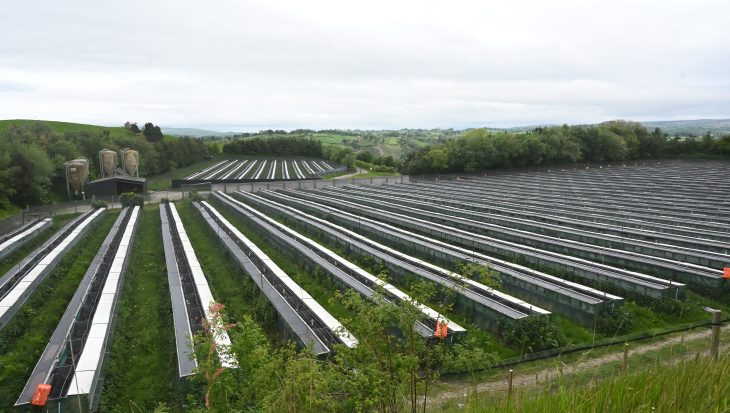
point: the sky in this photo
(248, 65)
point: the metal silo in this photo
(130, 162)
(107, 163)
(77, 174)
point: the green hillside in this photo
(67, 127)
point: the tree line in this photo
(480, 149)
(276, 145)
(32, 158)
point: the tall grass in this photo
(694, 385)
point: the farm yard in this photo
(260, 169)
(467, 271)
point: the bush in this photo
(532, 334)
(98, 203)
(614, 321)
(375, 168)
(131, 199)
(195, 196)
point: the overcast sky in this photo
(248, 65)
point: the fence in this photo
(303, 184)
(583, 347)
(72, 207)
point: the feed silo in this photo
(107, 163)
(77, 175)
(130, 162)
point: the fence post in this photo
(626, 358)
(509, 388)
(715, 343)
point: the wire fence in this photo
(309, 183)
(540, 355)
(72, 207)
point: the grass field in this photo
(63, 127)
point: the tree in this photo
(152, 133)
(439, 159)
(131, 126)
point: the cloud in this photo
(376, 64)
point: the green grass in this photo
(23, 340)
(375, 174)
(8, 211)
(694, 385)
(142, 367)
(568, 379)
(63, 127)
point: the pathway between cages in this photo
(532, 378)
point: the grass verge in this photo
(693, 384)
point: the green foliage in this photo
(97, 203)
(533, 334)
(480, 149)
(615, 321)
(481, 273)
(131, 199)
(373, 167)
(386, 372)
(275, 146)
(340, 155)
(195, 196)
(152, 133)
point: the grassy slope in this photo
(142, 367)
(20, 346)
(694, 385)
(63, 127)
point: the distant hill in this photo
(198, 133)
(697, 127)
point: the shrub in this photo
(131, 199)
(532, 334)
(97, 203)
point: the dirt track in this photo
(524, 380)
